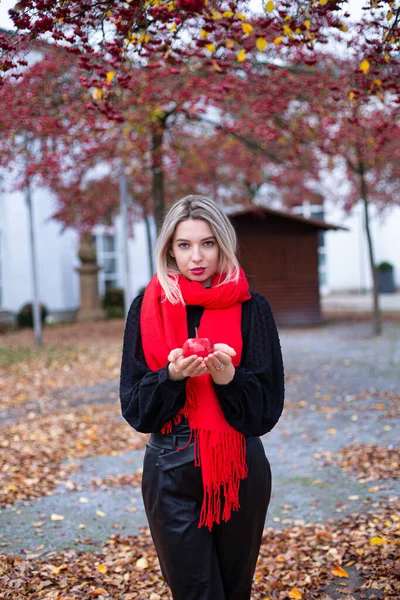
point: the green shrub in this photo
(25, 315)
(115, 312)
(113, 303)
(385, 266)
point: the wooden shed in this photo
(279, 254)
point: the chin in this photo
(198, 278)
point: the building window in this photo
(322, 270)
(107, 259)
(317, 212)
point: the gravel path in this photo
(337, 375)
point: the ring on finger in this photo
(221, 366)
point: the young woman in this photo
(206, 479)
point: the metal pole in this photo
(123, 194)
(149, 244)
(37, 322)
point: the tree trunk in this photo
(149, 244)
(157, 185)
(376, 315)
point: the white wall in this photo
(56, 253)
(348, 266)
(138, 256)
(388, 240)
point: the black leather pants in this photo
(198, 564)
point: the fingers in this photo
(214, 365)
(225, 348)
(218, 360)
(200, 370)
(222, 357)
(175, 354)
(193, 366)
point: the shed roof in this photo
(262, 211)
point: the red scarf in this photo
(219, 449)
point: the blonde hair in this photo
(195, 207)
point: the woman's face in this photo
(195, 250)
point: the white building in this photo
(344, 255)
(57, 257)
(344, 263)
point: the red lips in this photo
(198, 271)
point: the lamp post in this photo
(123, 197)
(37, 321)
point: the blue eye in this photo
(206, 244)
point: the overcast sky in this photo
(5, 5)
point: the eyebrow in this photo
(210, 237)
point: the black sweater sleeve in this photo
(253, 401)
(148, 398)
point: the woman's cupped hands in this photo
(218, 364)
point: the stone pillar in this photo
(90, 308)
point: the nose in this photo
(196, 254)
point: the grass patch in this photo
(10, 356)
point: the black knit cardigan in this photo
(252, 402)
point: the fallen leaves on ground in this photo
(388, 403)
(306, 557)
(120, 480)
(36, 378)
(297, 562)
(31, 452)
(368, 462)
(67, 334)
